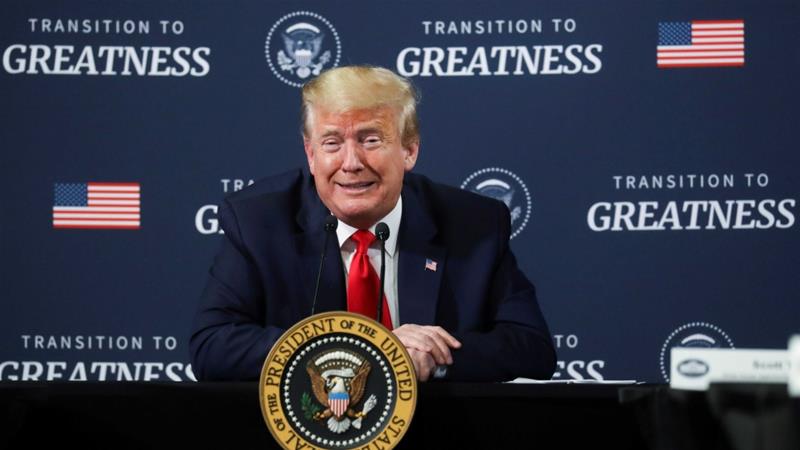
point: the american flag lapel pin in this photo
(430, 265)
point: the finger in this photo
(423, 364)
(451, 341)
(426, 339)
(413, 328)
(415, 341)
(441, 346)
(426, 342)
(415, 359)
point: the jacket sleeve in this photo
(517, 342)
(229, 339)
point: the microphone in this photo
(382, 233)
(330, 225)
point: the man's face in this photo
(358, 162)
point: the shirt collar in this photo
(344, 231)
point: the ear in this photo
(309, 154)
(410, 155)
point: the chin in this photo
(355, 215)
(358, 207)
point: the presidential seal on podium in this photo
(338, 380)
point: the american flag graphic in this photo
(97, 205)
(700, 43)
(430, 265)
(338, 402)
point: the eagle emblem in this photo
(338, 380)
(506, 186)
(500, 190)
(302, 44)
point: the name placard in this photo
(794, 371)
(694, 368)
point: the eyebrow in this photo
(372, 127)
(332, 132)
(369, 130)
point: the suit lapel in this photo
(418, 285)
(309, 242)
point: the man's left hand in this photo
(428, 339)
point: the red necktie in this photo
(363, 283)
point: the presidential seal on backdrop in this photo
(506, 186)
(300, 45)
(693, 334)
(338, 380)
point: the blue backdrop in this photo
(653, 206)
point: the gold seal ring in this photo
(338, 380)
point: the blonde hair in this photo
(363, 87)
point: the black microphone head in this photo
(331, 223)
(382, 231)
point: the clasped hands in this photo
(429, 346)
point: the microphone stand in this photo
(382, 233)
(330, 225)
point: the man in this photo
(454, 295)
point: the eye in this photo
(372, 141)
(330, 145)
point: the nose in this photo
(352, 157)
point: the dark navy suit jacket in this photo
(262, 280)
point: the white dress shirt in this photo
(348, 249)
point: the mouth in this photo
(355, 187)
